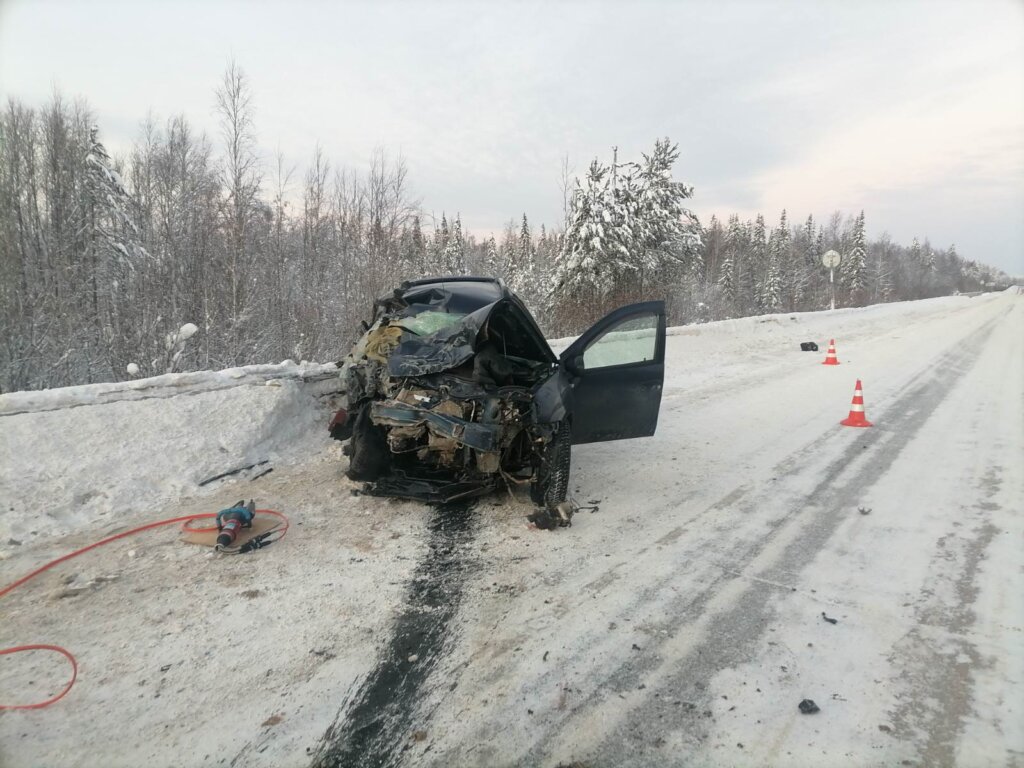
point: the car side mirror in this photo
(575, 365)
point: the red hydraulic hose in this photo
(185, 519)
(55, 649)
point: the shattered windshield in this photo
(429, 321)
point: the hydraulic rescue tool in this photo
(231, 520)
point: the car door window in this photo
(634, 340)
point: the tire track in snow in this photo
(733, 609)
(377, 723)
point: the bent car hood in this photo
(442, 350)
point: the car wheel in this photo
(551, 486)
(367, 449)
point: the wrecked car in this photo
(453, 391)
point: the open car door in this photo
(618, 369)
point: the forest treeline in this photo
(103, 260)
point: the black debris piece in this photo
(808, 346)
(545, 657)
(548, 520)
(636, 647)
(808, 707)
(230, 472)
(829, 620)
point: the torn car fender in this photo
(552, 399)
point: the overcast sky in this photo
(912, 111)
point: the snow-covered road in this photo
(679, 624)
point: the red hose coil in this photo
(184, 520)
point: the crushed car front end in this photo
(451, 393)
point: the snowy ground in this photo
(680, 624)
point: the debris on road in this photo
(236, 471)
(808, 346)
(864, 510)
(549, 519)
(808, 707)
(829, 620)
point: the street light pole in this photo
(831, 260)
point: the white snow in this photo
(701, 580)
(81, 456)
(187, 331)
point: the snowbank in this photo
(76, 456)
(820, 322)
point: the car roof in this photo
(465, 294)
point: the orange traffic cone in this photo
(830, 356)
(856, 417)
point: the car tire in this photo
(551, 486)
(367, 449)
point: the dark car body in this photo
(453, 391)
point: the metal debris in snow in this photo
(829, 620)
(808, 707)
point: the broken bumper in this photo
(482, 437)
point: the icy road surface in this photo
(679, 624)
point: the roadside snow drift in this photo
(76, 456)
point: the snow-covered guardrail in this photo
(321, 378)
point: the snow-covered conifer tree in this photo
(758, 260)
(113, 247)
(492, 260)
(771, 288)
(454, 255)
(854, 269)
(727, 280)
(627, 231)
(522, 266)
(582, 263)
(525, 250)
(438, 246)
(881, 270)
